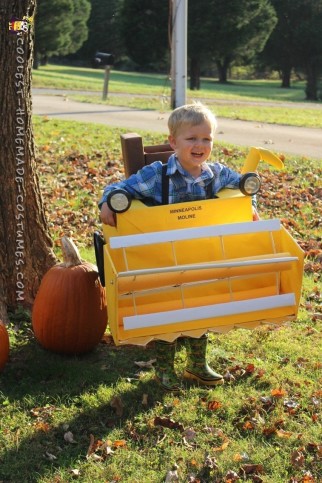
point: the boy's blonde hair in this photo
(190, 115)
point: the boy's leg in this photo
(197, 367)
(164, 370)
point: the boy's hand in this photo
(107, 216)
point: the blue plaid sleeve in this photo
(146, 183)
(225, 177)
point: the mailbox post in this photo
(106, 81)
(103, 59)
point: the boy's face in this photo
(193, 145)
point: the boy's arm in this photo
(140, 185)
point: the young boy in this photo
(191, 133)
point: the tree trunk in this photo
(25, 245)
(194, 73)
(312, 77)
(286, 77)
(222, 67)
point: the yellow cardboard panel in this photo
(142, 219)
(196, 288)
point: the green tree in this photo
(296, 42)
(61, 26)
(198, 43)
(81, 13)
(145, 30)
(238, 30)
(309, 45)
(104, 29)
(226, 33)
(279, 52)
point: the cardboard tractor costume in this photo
(203, 266)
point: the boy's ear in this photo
(172, 141)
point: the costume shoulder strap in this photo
(165, 185)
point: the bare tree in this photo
(25, 244)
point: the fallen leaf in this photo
(108, 450)
(308, 478)
(260, 373)
(193, 479)
(250, 368)
(241, 457)
(42, 426)
(172, 475)
(213, 405)
(290, 403)
(107, 339)
(96, 457)
(119, 443)
(222, 447)
(145, 399)
(278, 392)
(210, 462)
(269, 431)
(168, 423)
(283, 434)
(248, 425)
(117, 404)
(91, 445)
(229, 377)
(297, 459)
(69, 437)
(187, 444)
(189, 434)
(231, 477)
(50, 456)
(315, 417)
(161, 438)
(268, 402)
(146, 365)
(75, 473)
(226, 152)
(250, 469)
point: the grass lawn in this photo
(152, 91)
(81, 78)
(101, 418)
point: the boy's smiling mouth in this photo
(197, 154)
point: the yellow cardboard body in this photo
(167, 291)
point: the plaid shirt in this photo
(147, 182)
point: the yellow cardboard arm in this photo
(254, 157)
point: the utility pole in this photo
(179, 53)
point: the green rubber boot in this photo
(164, 370)
(197, 368)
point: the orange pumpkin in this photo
(4, 345)
(69, 313)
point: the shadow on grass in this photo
(37, 382)
(43, 395)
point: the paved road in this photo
(281, 139)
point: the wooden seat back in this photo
(136, 155)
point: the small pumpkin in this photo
(69, 313)
(4, 345)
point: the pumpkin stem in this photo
(71, 254)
